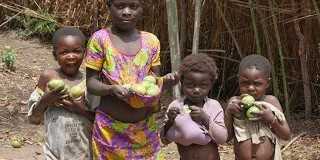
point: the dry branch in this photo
(292, 141)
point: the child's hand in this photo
(120, 91)
(172, 113)
(265, 114)
(234, 107)
(73, 105)
(52, 97)
(171, 78)
(197, 114)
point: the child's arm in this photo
(170, 80)
(40, 100)
(217, 128)
(281, 129)
(213, 119)
(97, 87)
(77, 106)
(171, 115)
(232, 108)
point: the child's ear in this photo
(269, 81)
(54, 55)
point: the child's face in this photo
(253, 82)
(196, 86)
(125, 13)
(69, 54)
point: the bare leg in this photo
(265, 150)
(243, 150)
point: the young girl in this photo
(256, 139)
(195, 122)
(66, 121)
(124, 126)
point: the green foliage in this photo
(41, 24)
(8, 56)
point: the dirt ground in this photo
(33, 58)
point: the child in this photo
(256, 139)
(117, 56)
(67, 125)
(195, 122)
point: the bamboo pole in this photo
(173, 31)
(316, 7)
(254, 26)
(226, 23)
(197, 20)
(183, 26)
(275, 85)
(303, 63)
(283, 72)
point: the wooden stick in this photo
(293, 140)
(226, 23)
(197, 21)
(173, 30)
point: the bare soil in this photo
(33, 57)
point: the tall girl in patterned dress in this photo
(124, 126)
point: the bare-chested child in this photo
(195, 122)
(66, 120)
(260, 138)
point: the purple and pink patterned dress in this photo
(112, 139)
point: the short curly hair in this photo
(109, 2)
(66, 31)
(256, 61)
(199, 63)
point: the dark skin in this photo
(195, 87)
(126, 39)
(255, 83)
(69, 55)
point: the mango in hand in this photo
(138, 88)
(247, 100)
(76, 92)
(56, 85)
(153, 90)
(250, 113)
(150, 79)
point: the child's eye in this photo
(78, 51)
(188, 85)
(134, 6)
(203, 86)
(244, 82)
(120, 6)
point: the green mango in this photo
(76, 92)
(138, 88)
(150, 79)
(56, 85)
(247, 100)
(153, 90)
(250, 113)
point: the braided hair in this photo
(258, 62)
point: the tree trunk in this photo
(173, 30)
